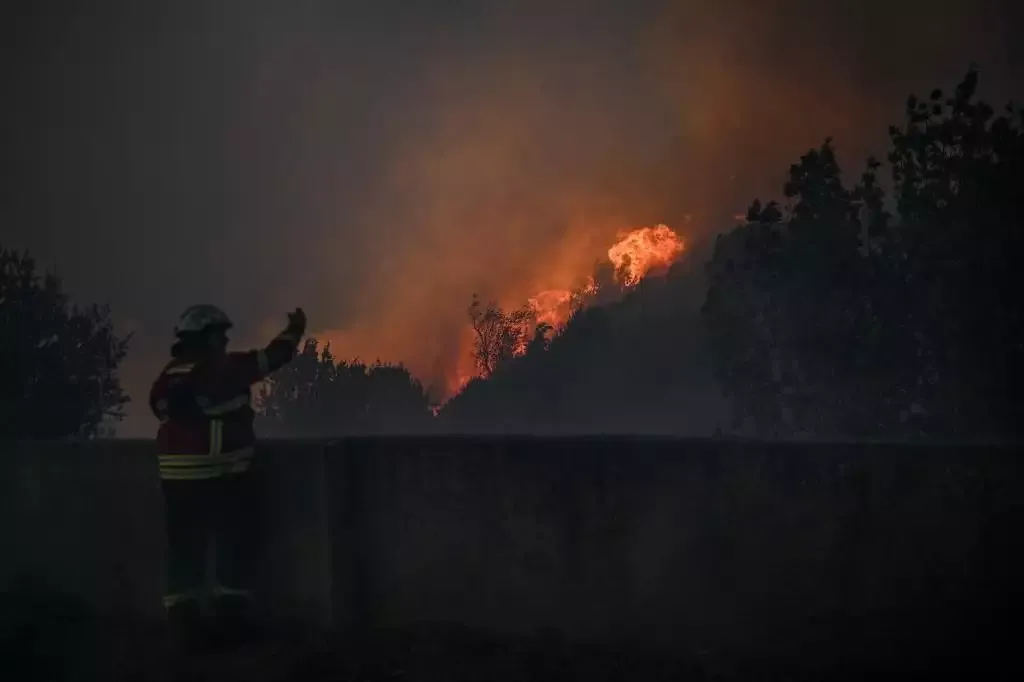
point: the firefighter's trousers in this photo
(214, 537)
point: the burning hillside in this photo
(637, 253)
(447, 367)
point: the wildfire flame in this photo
(552, 306)
(636, 254)
(644, 249)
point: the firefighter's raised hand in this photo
(297, 320)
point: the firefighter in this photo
(205, 440)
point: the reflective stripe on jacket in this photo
(176, 467)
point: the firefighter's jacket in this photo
(204, 405)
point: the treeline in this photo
(846, 313)
(840, 311)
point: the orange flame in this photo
(640, 251)
(637, 253)
(552, 306)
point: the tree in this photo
(956, 171)
(791, 309)
(820, 314)
(317, 396)
(742, 284)
(59, 362)
(499, 336)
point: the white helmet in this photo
(199, 318)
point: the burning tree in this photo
(500, 336)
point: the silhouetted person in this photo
(205, 439)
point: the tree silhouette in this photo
(318, 396)
(830, 317)
(498, 336)
(742, 280)
(956, 171)
(785, 309)
(59, 363)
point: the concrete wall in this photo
(687, 546)
(86, 521)
(80, 520)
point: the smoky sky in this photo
(378, 162)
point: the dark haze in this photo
(378, 162)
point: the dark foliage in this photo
(59, 362)
(831, 318)
(317, 396)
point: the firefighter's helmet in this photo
(200, 318)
